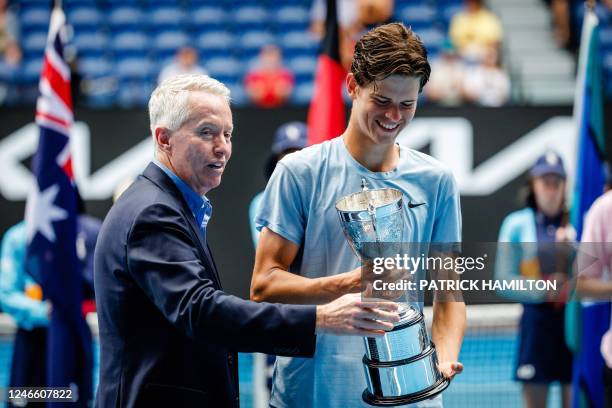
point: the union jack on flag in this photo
(51, 223)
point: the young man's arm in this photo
(447, 334)
(271, 281)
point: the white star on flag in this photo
(41, 212)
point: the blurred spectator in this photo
(474, 29)
(9, 26)
(346, 11)
(536, 242)
(269, 84)
(10, 62)
(289, 138)
(22, 298)
(185, 62)
(355, 17)
(487, 84)
(445, 85)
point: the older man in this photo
(168, 333)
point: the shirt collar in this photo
(200, 206)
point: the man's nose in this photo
(222, 145)
(393, 113)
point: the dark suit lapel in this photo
(161, 179)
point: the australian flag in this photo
(51, 219)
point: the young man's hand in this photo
(449, 369)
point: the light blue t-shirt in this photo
(299, 204)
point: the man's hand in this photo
(449, 369)
(350, 315)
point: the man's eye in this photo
(380, 102)
(228, 136)
(407, 105)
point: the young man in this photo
(168, 333)
(302, 255)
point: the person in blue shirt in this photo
(302, 255)
(22, 298)
(535, 243)
(288, 138)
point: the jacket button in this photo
(230, 359)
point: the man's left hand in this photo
(450, 368)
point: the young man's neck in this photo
(374, 157)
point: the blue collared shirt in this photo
(199, 205)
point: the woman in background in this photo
(536, 242)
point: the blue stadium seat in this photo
(71, 4)
(207, 18)
(418, 15)
(237, 93)
(168, 42)
(134, 68)
(125, 17)
(303, 67)
(95, 67)
(35, 17)
(30, 73)
(91, 43)
(166, 17)
(291, 18)
(298, 42)
(432, 38)
(215, 43)
(226, 67)
(302, 93)
(34, 43)
(134, 93)
(129, 43)
(251, 18)
(85, 18)
(251, 42)
(447, 11)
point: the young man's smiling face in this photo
(382, 111)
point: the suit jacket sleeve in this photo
(165, 263)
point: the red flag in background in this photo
(326, 118)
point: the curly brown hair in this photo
(390, 49)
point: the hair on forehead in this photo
(390, 49)
(169, 105)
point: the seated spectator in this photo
(445, 85)
(269, 84)
(10, 62)
(487, 84)
(474, 29)
(355, 18)
(346, 11)
(9, 26)
(185, 62)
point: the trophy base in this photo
(427, 393)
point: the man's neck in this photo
(374, 157)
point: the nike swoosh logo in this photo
(413, 205)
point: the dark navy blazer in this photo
(168, 333)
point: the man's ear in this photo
(162, 139)
(351, 85)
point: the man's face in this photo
(200, 149)
(382, 113)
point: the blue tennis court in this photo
(486, 381)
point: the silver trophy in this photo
(401, 367)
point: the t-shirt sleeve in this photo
(282, 207)
(447, 224)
